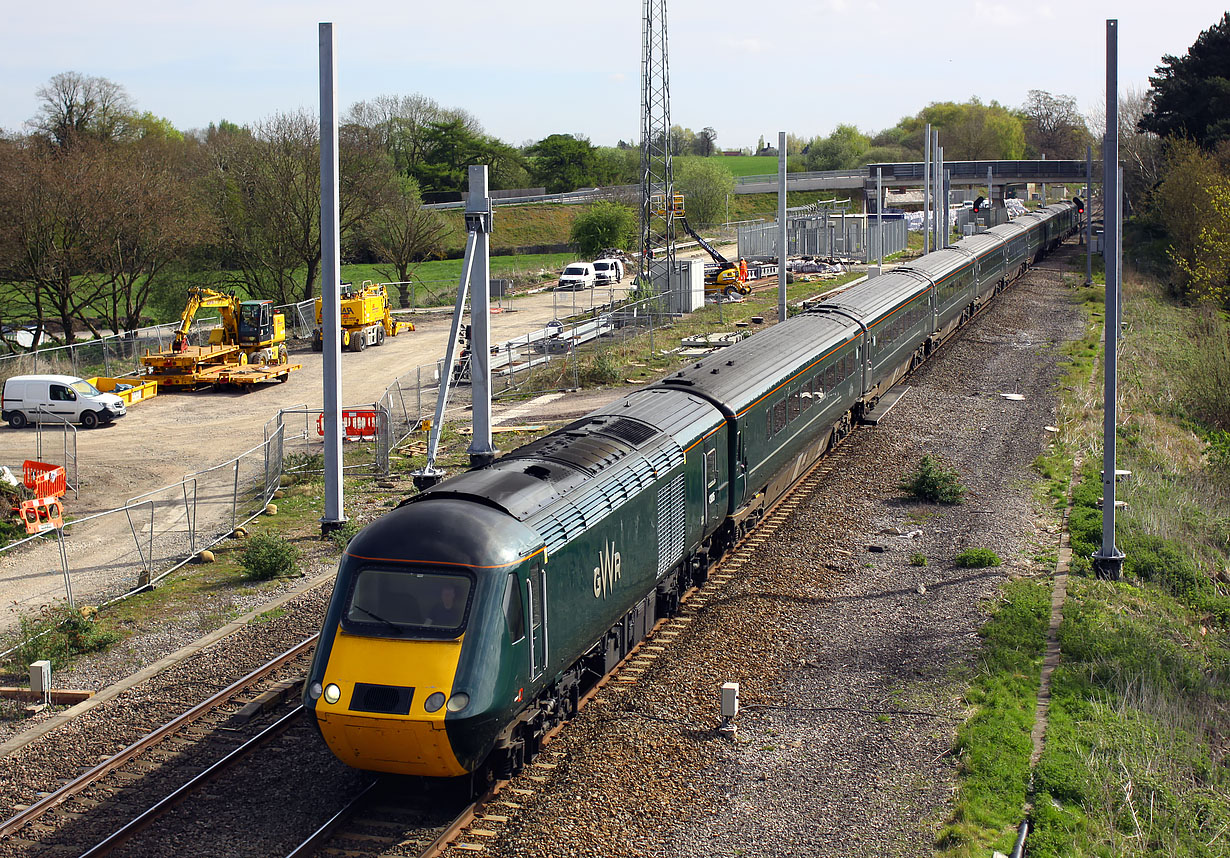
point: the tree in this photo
(45, 243)
(402, 233)
(562, 163)
(143, 216)
(266, 188)
(1190, 95)
(1054, 126)
(75, 106)
(682, 140)
(605, 224)
(1140, 151)
(845, 148)
(706, 142)
(1193, 203)
(706, 184)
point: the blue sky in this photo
(536, 67)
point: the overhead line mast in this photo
(657, 180)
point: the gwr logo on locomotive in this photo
(607, 572)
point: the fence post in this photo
(64, 566)
(235, 499)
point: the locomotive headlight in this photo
(315, 690)
(434, 701)
(458, 701)
(332, 693)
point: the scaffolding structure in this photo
(658, 208)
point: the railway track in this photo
(191, 748)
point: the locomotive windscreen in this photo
(407, 604)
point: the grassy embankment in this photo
(1134, 762)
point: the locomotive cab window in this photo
(514, 610)
(406, 604)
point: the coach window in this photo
(514, 612)
(711, 466)
(779, 415)
(795, 408)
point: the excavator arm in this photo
(198, 298)
(717, 257)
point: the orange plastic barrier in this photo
(46, 481)
(40, 513)
(357, 423)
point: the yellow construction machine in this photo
(250, 346)
(367, 318)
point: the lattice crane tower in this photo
(657, 182)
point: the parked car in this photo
(608, 271)
(578, 275)
(32, 398)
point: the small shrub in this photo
(603, 369)
(977, 558)
(268, 556)
(58, 634)
(341, 536)
(918, 559)
(932, 481)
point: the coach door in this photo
(538, 620)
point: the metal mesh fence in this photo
(118, 355)
(103, 557)
(833, 235)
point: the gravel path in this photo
(851, 662)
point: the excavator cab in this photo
(256, 323)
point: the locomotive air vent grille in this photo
(635, 433)
(672, 522)
(664, 460)
(388, 699)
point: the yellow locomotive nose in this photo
(390, 701)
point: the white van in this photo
(28, 398)
(578, 275)
(608, 271)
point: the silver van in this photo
(30, 398)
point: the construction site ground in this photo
(178, 433)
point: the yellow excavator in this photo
(728, 277)
(249, 347)
(366, 318)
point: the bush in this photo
(932, 481)
(606, 224)
(268, 556)
(341, 536)
(58, 634)
(977, 558)
(918, 559)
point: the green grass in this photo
(1135, 758)
(993, 747)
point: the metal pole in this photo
(990, 201)
(926, 190)
(880, 212)
(936, 180)
(478, 221)
(783, 251)
(330, 284)
(1119, 250)
(1089, 215)
(1108, 560)
(947, 208)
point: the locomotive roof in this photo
(738, 375)
(630, 441)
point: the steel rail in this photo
(122, 834)
(148, 741)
